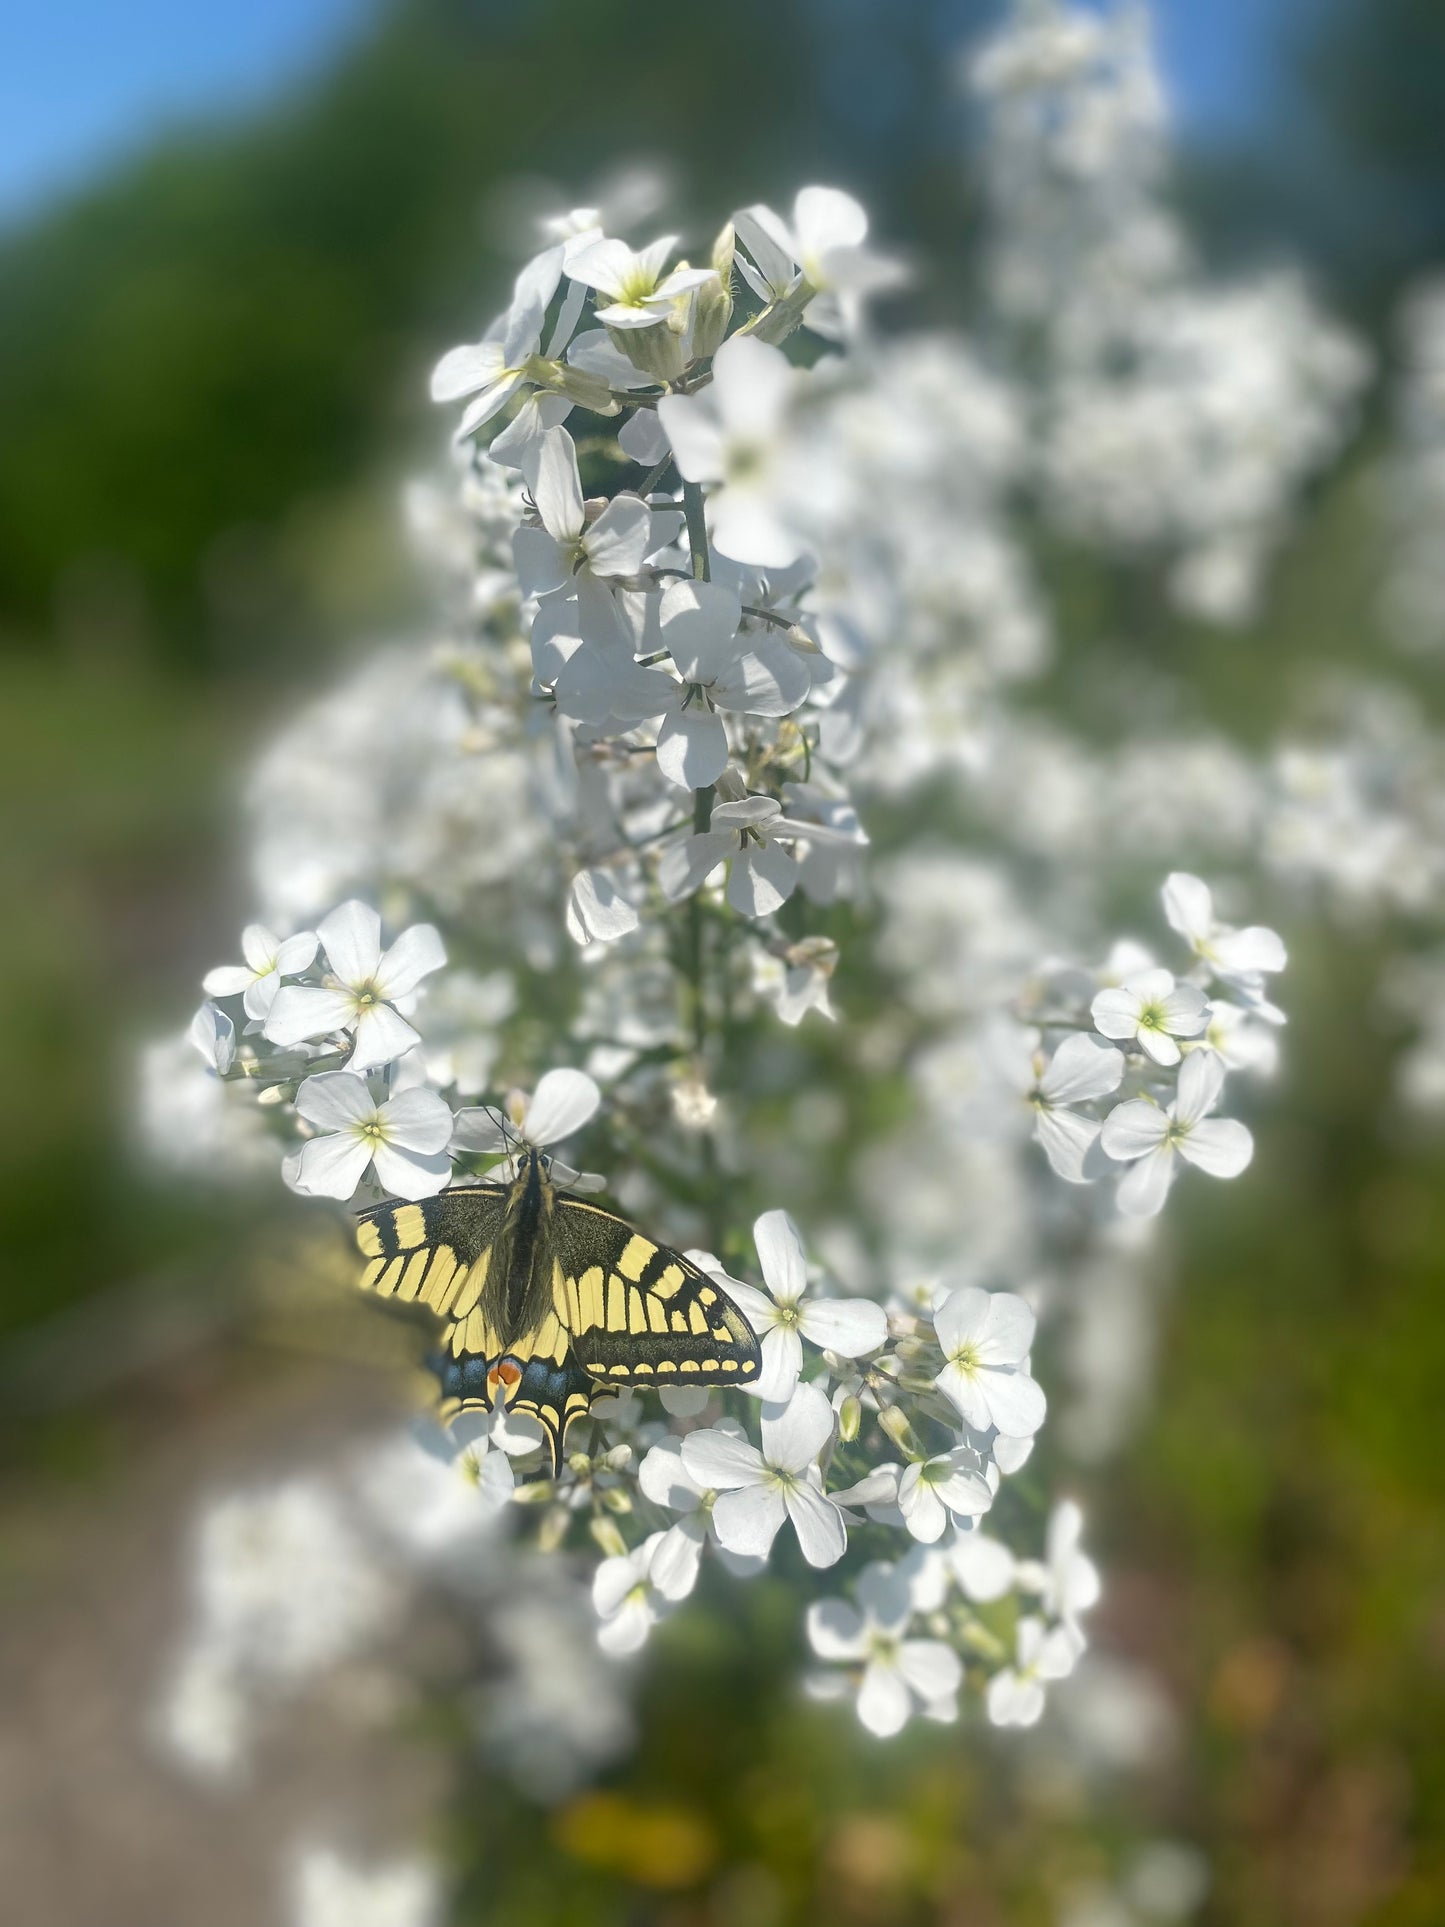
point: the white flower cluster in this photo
(612, 821)
(1176, 422)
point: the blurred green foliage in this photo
(211, 368)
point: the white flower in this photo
(984, 1567)
(782, 1318)
(399, 1893)
(1235, 956)
(719, 669)
(1239, 1041)
(1016, 1695)
(897, 1673)
(597, 910)
(1151, 1137)
(1067, 1580)
(628, 1598)
(665, 1479)
(730, 435)
(214, 1036)
(1152, 1010)
(494, 368)
(567, 545)
(405, 1138)
(986, 1338)
(758, 1490)
(747, 835)
(269, 958)
(641, 295)
(436, 1488)
(562, 1103)
(1080, 1069)
(825, 243)
(798, 979)
(362, 990)
(933, 1491)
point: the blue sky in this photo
(82, 81)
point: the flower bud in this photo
(712, 310)
(554, 1528)
(894, 1421)
(613, 1545)
(655, 351)
(850, 1418)
(616, 1498)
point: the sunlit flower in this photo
(731, 434)
(629, 1598)
(1153, 1137)
(1016, 1696)
(404, 1137)
(362, 990)
(783, 1316)
(758, 1490)
(1152, 1011)
(269, 958)
(898, 1675)
(986, 1339)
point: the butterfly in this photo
(553, 1302)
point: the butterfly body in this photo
(552, 1300)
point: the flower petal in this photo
(748, 1520)
(1189, 905)
(782, 1361)
(1006, 1335)
(351, 937)
(666, 1480)
(883, 1700)
(1143, 1189)
(382, 1035)
(960, 1317)
(794, 1436)
(835, 1630)
(848, 1326)
(1016, 1402)
(617, 541)
(417, 1120)
(411, 1174)
(1219, 1145)
(304, 1010)
(780, 1253)
(822, 1535)
(415, 954)
(331, 1167)
(1134, 1129)
(1082, 1067)
(719, 1462)
(930, 1668)
(692, 748)
(335, 1099)
(1201, 1080)
(562, 1103)
(761, 880)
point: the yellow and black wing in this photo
(639, 1313)
(436, 1252)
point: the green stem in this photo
(692, 508)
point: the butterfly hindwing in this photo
(639, 1313)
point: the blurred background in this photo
(231, 244)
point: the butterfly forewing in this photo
(434, 1253)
